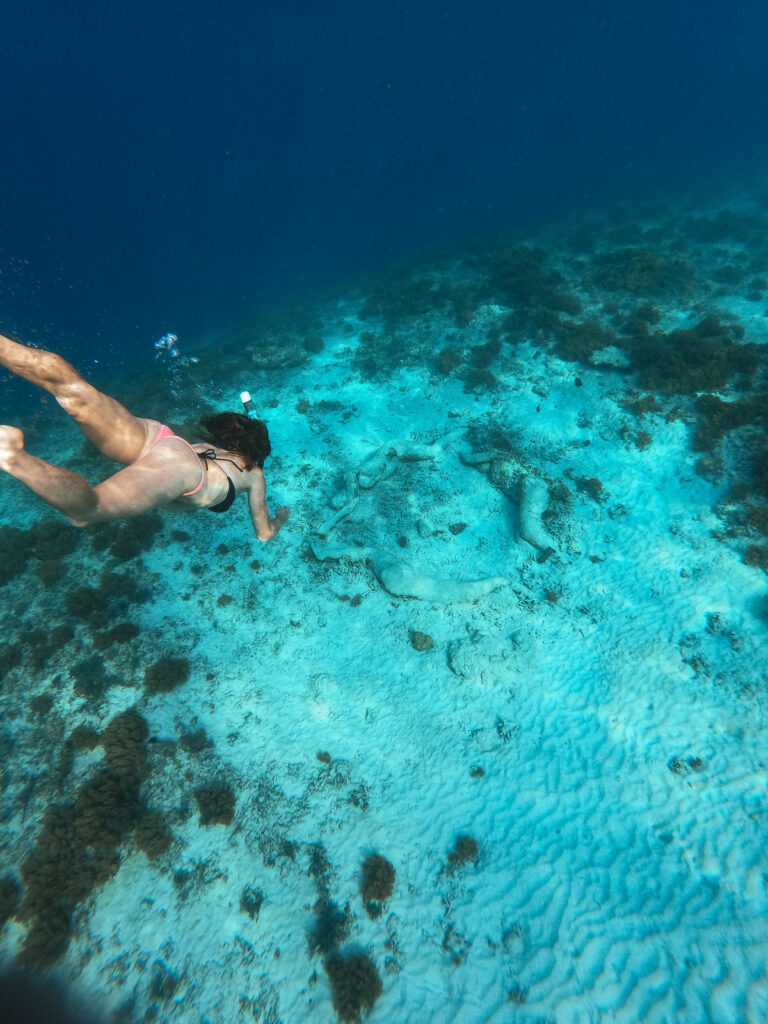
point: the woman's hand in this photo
(280, 517)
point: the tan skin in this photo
(158, 479)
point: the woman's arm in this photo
(266, 528)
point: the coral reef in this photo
(14, 552)
(592, 487)
(717, 418)
(516, 276)
(643, 272)
(331, 927)
(757, 556)
(166, 674)
(216, 804)
(355, 984)
(10, 898)
(90, 678)
(152, 835)
(127, 540)
(377, 884)
(688, 360)
(465, 849)
(78, 847)
(251, 901)
(195, 742)
(120, 633)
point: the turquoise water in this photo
(481, 734)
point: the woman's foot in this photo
(11, 443)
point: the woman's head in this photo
(238, 433)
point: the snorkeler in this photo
(162, 469)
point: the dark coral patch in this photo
(251, 901)
(465, 849)
(331, 927)
(216, 804)
(78, 847)
(685, 361)
(15, 549)
(166, 674)
(377, 883)
(10, 898)
(152, 836)
(643, 272)
(355, 984)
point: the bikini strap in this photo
(210, 453)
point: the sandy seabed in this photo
(509, 643)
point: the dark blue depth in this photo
(173, 166)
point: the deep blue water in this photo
(173, 166)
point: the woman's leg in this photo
(60, 488)
(116, 432)
(159, 478)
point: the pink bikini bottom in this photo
(163, 433)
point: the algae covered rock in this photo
(421, 641)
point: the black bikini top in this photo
(210, 453)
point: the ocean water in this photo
(480, 736)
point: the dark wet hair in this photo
(238, 433)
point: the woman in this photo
(162, 469)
